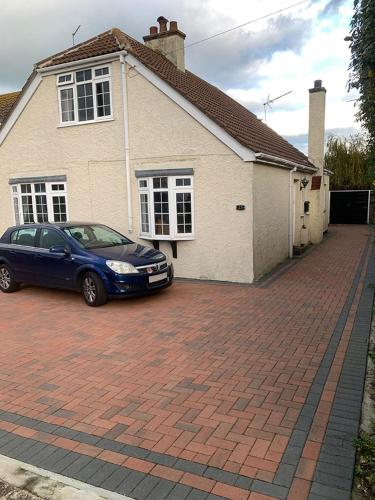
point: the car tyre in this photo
(7, 282)
(93, 290)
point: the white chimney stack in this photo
(317, 110)
(169, 42)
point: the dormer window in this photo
(85, 95)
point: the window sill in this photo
(161, 238)
(75, 124)
(172, 241)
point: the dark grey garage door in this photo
(349, 207)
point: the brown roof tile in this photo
(234, 118)
(105, 43)
(7, 102)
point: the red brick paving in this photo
(214, 374)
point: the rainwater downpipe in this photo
(291, 211)
(126, 140)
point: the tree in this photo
(348, 160)
(362, 65)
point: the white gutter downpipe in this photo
(291, 212)
(126, 140)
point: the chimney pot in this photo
(153, 30)
(173, 26)
(163, 23)
(317, 84)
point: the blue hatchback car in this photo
(91, 258)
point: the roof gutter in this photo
(81, 62)
(281, 162)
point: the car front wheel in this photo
(7, 282)
(93, 290)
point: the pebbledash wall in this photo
(271, 199)
(90, 155)
(271, 217)
(222, 248)
(162, 135)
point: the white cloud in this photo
(324, 56)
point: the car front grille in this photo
(153, 268)
(128, 287)
(158, 283)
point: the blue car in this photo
(91, 258)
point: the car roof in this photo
(57, 225)
(77, 223)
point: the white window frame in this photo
(172, 196)
(15, 190)
(73, 85)
(71, 79)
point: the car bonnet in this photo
(135, 254)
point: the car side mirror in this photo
(60, 249)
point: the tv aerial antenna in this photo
(74, 34)
(270, 101)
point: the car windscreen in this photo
(96, 236)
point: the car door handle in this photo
(38, 256)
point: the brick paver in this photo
(202, 391)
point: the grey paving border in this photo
(24, 476)
(126, 481)
(94, 471)
(289, 462)
(25, 448)
(333, 477)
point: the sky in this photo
(261, 61)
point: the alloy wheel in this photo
(5, 278)
(89, 289)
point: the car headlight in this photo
(120, 267)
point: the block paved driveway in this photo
(202, 391)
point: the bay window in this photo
(85, 95)
(39, 202)
(166, 207)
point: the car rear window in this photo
(24, 237)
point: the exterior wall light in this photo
(304, 183)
